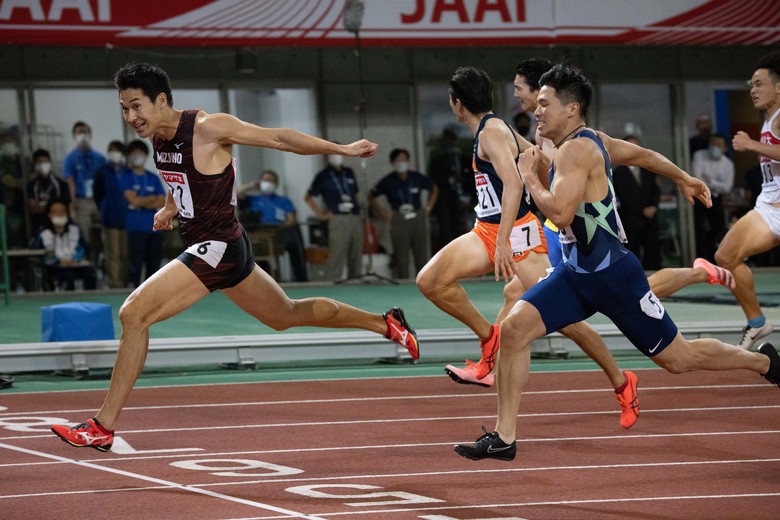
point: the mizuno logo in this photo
(402, 333)
(491, 449)
(89, 439)
(178, 145)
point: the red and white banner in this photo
(131, 23)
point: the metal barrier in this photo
(247, 351)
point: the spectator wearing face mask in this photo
(713, 167)
(112, 207)
(78, 170)
(337, 187)
(145, 195)
(66, 249)
(408, 213)
(43, 188)
(277, 210)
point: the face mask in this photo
(267, 187)
(115, 157)
(137, 160)
(335, 160)
(59, 221)
(43, 168)
(715, 153)
(401, 166)
(10, 149)
(82, 139)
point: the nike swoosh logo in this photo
(491, 449)
(656, 346)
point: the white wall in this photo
(57, 110)
(9, 110)
(272, 108)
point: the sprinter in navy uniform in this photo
(597, 274)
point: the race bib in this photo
(651, 305)
(566, 235)
(180, 189)
(488, 202)
(210, 251)
(524, 237)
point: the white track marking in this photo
(417, 419)
(481, 395)
(532, 504)
(182, 487)
(402, 446)
(197, 487)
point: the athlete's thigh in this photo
(170, 290)
(749, 236)
(260, 296)
(677, 353)
(557, 300)
(533, 268)
(464, 257)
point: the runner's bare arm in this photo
(498, 147)
(524, 143)
(163, 219)
(226, 129)
(573, 163)
(623, 152)
(743, 143)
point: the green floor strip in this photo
(210, 375)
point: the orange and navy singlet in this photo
(490, 188)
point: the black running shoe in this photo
(773, 375)
(489, 446)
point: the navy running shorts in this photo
(620, 292)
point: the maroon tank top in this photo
(207, 203)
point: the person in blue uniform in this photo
(144, 194)
(278, 211)
(337, 187)
(408, 216)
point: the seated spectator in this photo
(271, 209)
(145, 195)
(43, 188)
(66, 250)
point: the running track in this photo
(706, 446)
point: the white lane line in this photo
(387, 398)
(404, 446)
(414, 419)
(534, 504)
(167, 483)
(470, 472)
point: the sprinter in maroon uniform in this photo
(193, 152)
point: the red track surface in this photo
(381, 449)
